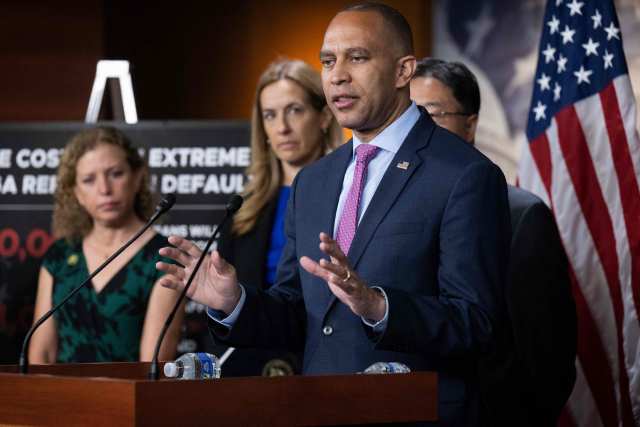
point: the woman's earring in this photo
(325, 130)
(268, 141)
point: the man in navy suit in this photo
(528, 377)
(421, 215)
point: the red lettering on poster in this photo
(14, 242)
(38, 242)
(38, 234)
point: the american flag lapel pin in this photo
(403, 165)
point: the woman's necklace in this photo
(108, 253)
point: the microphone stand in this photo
(154, 369)
(23, 363)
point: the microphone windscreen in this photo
(235, 203)
(165, 204)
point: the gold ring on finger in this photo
(348, 276)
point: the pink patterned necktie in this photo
(349, 218)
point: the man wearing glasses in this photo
(530, 374)
(449, 91)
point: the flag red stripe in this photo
(585, 182)
(593, 358)
(541, 154)
(629, 191)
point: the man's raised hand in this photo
(344, 282)
(215, 284)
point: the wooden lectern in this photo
(119, 394)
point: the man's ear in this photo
(472, 124)
(406, 67)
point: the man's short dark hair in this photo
(393, 21)
(457, 77)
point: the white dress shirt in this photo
(389, 142)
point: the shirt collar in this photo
(392, 137)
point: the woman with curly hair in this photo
(103, 200)
(291, 127)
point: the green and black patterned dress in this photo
(105, 326)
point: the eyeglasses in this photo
(439, 116)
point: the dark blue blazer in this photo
(435, 237)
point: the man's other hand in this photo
(216, 283)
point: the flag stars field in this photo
(562, 62)
(567, 35)
(612, 31)
(544, 82)
(597, 20)
(575, 7)
(583, 75)
(549, 54)
(591, 47)
(587, 33)
(554, 25)
(556, 92)
(539, 110)
(607, 59)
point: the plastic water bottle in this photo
(387, 368)
(193, 366)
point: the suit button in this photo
(327, 330)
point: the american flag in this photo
(583, 160)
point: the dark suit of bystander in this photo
(528, 378)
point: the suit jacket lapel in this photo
(389, 188)
(385, 196)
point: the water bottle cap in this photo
(170, 370)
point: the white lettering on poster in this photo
(172, 230)
(212, 185)
(209, 157)
(39, 158)
(39, 184)
(5, 158)
(201, 230)
(8, 185)
(192, 183)
(194, 232)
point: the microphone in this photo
(235, 203)
(163, 206)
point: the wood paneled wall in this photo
(190, 60)
(48, 56)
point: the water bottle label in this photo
(207, 365)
